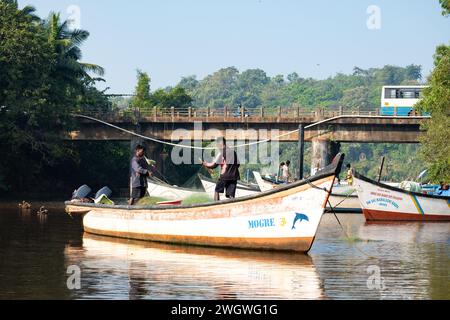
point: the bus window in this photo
(408, 94)
(405, 93)
(390, 94)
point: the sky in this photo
(318, 38)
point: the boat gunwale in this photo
(386, 186)
(332, 170)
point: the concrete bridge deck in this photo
(344, 128)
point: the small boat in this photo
(242, 189)
(263, 183)
(344, 203)
(383, 202)
(343, 198)
(285, 218)
(160, 189)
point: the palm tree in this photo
(66, 44)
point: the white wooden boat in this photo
(382, 202)
(161, 189)
(263, 184)
(242, 189)
(285, 218)
(342, 199)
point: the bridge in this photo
(174, 125)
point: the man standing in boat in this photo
(229, 170)
(139, 173)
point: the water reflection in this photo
(406, 232)
(411, 260)
(115, 268)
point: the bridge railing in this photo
(225, 113)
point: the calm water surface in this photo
(376, 261)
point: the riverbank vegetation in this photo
(43, 81)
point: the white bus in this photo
(399, 100)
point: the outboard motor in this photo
(82, 192)
(102, 196)
(105, 190)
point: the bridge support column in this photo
(323, 152)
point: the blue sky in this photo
(174, 38)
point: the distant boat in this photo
(263, 183)
(160, 189)
(383, 202)
(242, 190)
(285, 218)
(343, 198)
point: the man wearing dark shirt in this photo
(139, 173)
(229, 173)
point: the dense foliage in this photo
(254, 88)
(144, 99)
(435, 147)
(42, 81)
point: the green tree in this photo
(42, 82)
(435, 149)
(176, 97)
(216, 90)
(189, 83)
(142, 92)
(355, 98)
(66, 44)
(26, 60)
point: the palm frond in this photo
(78, 36)
(89, 67)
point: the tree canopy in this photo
(254, 88)
(435, 149)
(42, 81)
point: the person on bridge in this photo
(139, 173)
(229, 170)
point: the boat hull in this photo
(76, 210)
(281, 244)
(166, 191)
(263, 184)
(282, 220)
(339, 199)
(378, 215)
(386, 203)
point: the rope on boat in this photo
(335, 215)
(314, 186)
(344, 232)
(181, 145)
(339, 203)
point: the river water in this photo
(42, 256)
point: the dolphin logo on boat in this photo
(301, 217)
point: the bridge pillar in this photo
(323, 152)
